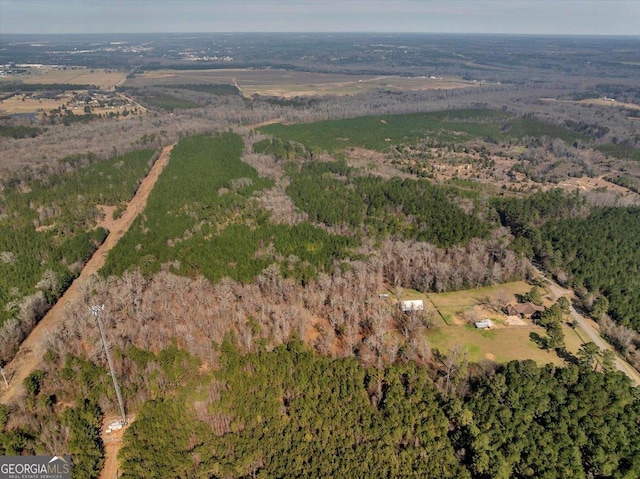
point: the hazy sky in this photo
(590, 17)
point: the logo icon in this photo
(35, 467)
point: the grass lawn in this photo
(501, 345)
(471, 297)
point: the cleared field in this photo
(590, 184)
(501, 345)
(284, 83)
(472, 297)
(17, 105)
(504, 342)
(103, 79)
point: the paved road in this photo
(589, 327)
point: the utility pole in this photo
(95, 310)
(4, 377)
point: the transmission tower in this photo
(4, 377)
(95, 310)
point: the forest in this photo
(587, 249)
(291, 412)
(253, 306)
(381, 132)
(331, 194)
(48, 232)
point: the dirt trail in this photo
(32, 349)
(265, 123)
(112, 444)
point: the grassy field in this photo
(103, 79)
(501, 345)
(284, 83)
(17, 105)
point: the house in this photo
(412, 305)
(484, 324)
(524, 310)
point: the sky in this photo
(569, 17)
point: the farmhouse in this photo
(524, 310)
(412, 305)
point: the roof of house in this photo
(412, 305)
(524, 308)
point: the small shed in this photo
(412, 305)
(484, 324)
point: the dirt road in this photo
(592, 330)
(32, 349)
(112, 443)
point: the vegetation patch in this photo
(333, 194)
(47, 227)
(379, 133)
(164, 101)
(291, 412)
(619, 151)
(218, 89)
(20, 131)
(201, 215)
(587, 250)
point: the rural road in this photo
(32, 349)
(589, 327)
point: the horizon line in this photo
(328, 32)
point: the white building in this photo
(412, 305)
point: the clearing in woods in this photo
(112, 442)
(32, 349)
(506, 341)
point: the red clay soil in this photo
(31, 351)
(112, 443)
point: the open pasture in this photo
(20, 105)
(501, 345)
(103, 79)
(453, 303)
(285, 83)
(604, 102)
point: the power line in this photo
(95, 310)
